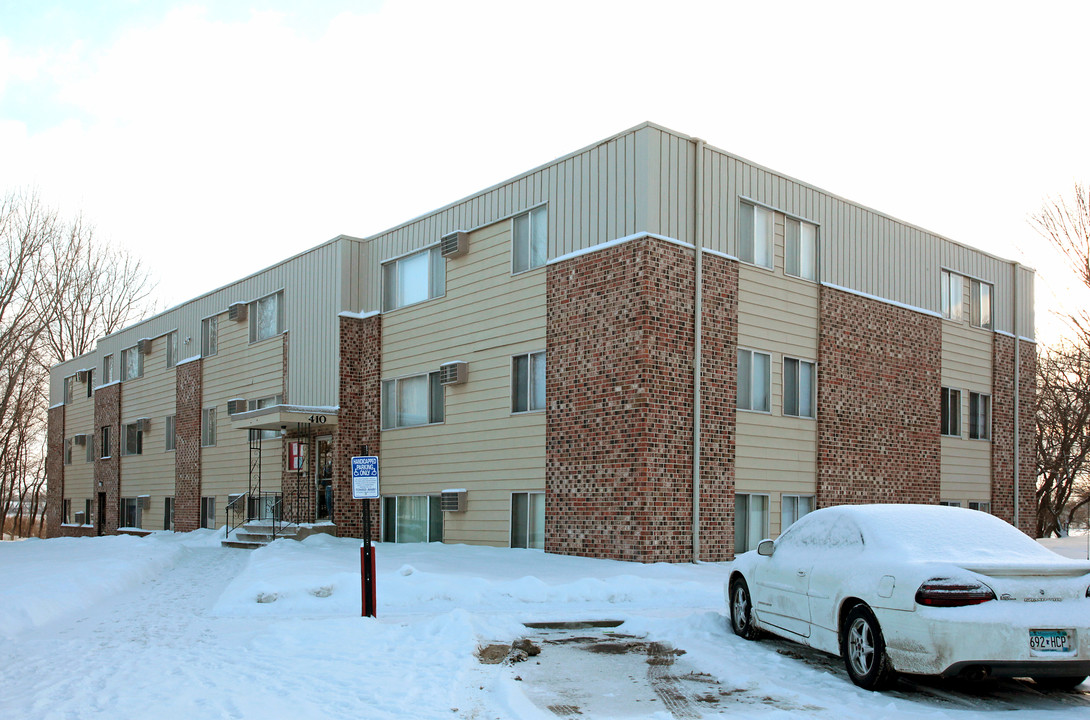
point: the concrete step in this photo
(242, 544)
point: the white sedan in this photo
(918, 589)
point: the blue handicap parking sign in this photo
(365, 478)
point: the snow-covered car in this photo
(918, 589)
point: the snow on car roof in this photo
(941, 532)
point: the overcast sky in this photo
(213, 139)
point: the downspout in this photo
(1017, 364)
(698, 316)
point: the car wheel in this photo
(741, 610)
(1059, 683)
(864, 650)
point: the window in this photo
(951, 297)
(792, 507)
(750, 521)
(132, 363)
(68, 451)
(91, 382)
(951, 412)
(950, 503)
(107, 369)
(208, 427)
(528, 520)
(134, 439)
(105, 449)
(409, 401)
(980, 304)
(981, 505)
(980, 416)
(412, 519)
(754, 380)
(90, 456)
(266, 317)
(69, 389)
(755, 235)
(259, 404)
(529, 240)
(87, 511)
(168, 514)
(528, 382)
(798, 387)
(800, 250)
(66, 510)
(172, 348)
(169, 435)
(413, 278)
(210, 336)
(208, 512)
(130, 513)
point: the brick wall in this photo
(1003, 433)
(187, 454)
(108, 469)
(619, 339)
(358, 423)
(879, 402)
(54, 472)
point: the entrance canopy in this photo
(276, 417)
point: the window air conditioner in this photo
(454, 244)
(80, 440)
(236, 405)
(237, 311)
(145, 502)
(453, 373)
(453, 500)
(144, 346)
(143, 424)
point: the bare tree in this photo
(1063, 376)
(1063, 436)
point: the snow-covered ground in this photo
(174, 626)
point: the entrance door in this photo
(100, 516)
(323, 479)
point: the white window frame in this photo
(952, 295)
(107, 369)
(208, 426)
(527, 542)
(980, 304)
(259, 404)
(90, 382)
(171, 342)
(208, 512)
(800, 365)
(800, 249)
(90, 456)
(980, 418)
(430, 532)
(436, 279)
(210, 336)
(134, 440)
(168, 513)
(68, 444)
(259, 333)
(744, 401)
(950, 503)
(66, 511)
(124, 506)
(69, 389)
(756, 220)
(169, 433)
(790, 507)
(529, 240)
(533, 359)
(391, 414)
(951, 412)
(981, 505)
(125, 363)
(105, 449)
(745, 530)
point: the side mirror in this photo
(766, 548)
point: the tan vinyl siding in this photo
(778, 315)
(486, 317)
(79, 477)
(966, 469)
(151, 472)
(240, 369)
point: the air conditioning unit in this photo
(143, 424)
(454, 244)
(453, 500)
(144, 346)
(82, 375)
(236, 405)
(453, 373)
(145, 502)
(80, 440)
(237, 311)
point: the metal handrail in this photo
(232, 508)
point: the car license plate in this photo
(1049, 641)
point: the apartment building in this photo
(649, 349)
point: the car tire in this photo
(864, 650)
(1047, 684)
(741, 610)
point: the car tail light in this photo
(948, 592)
